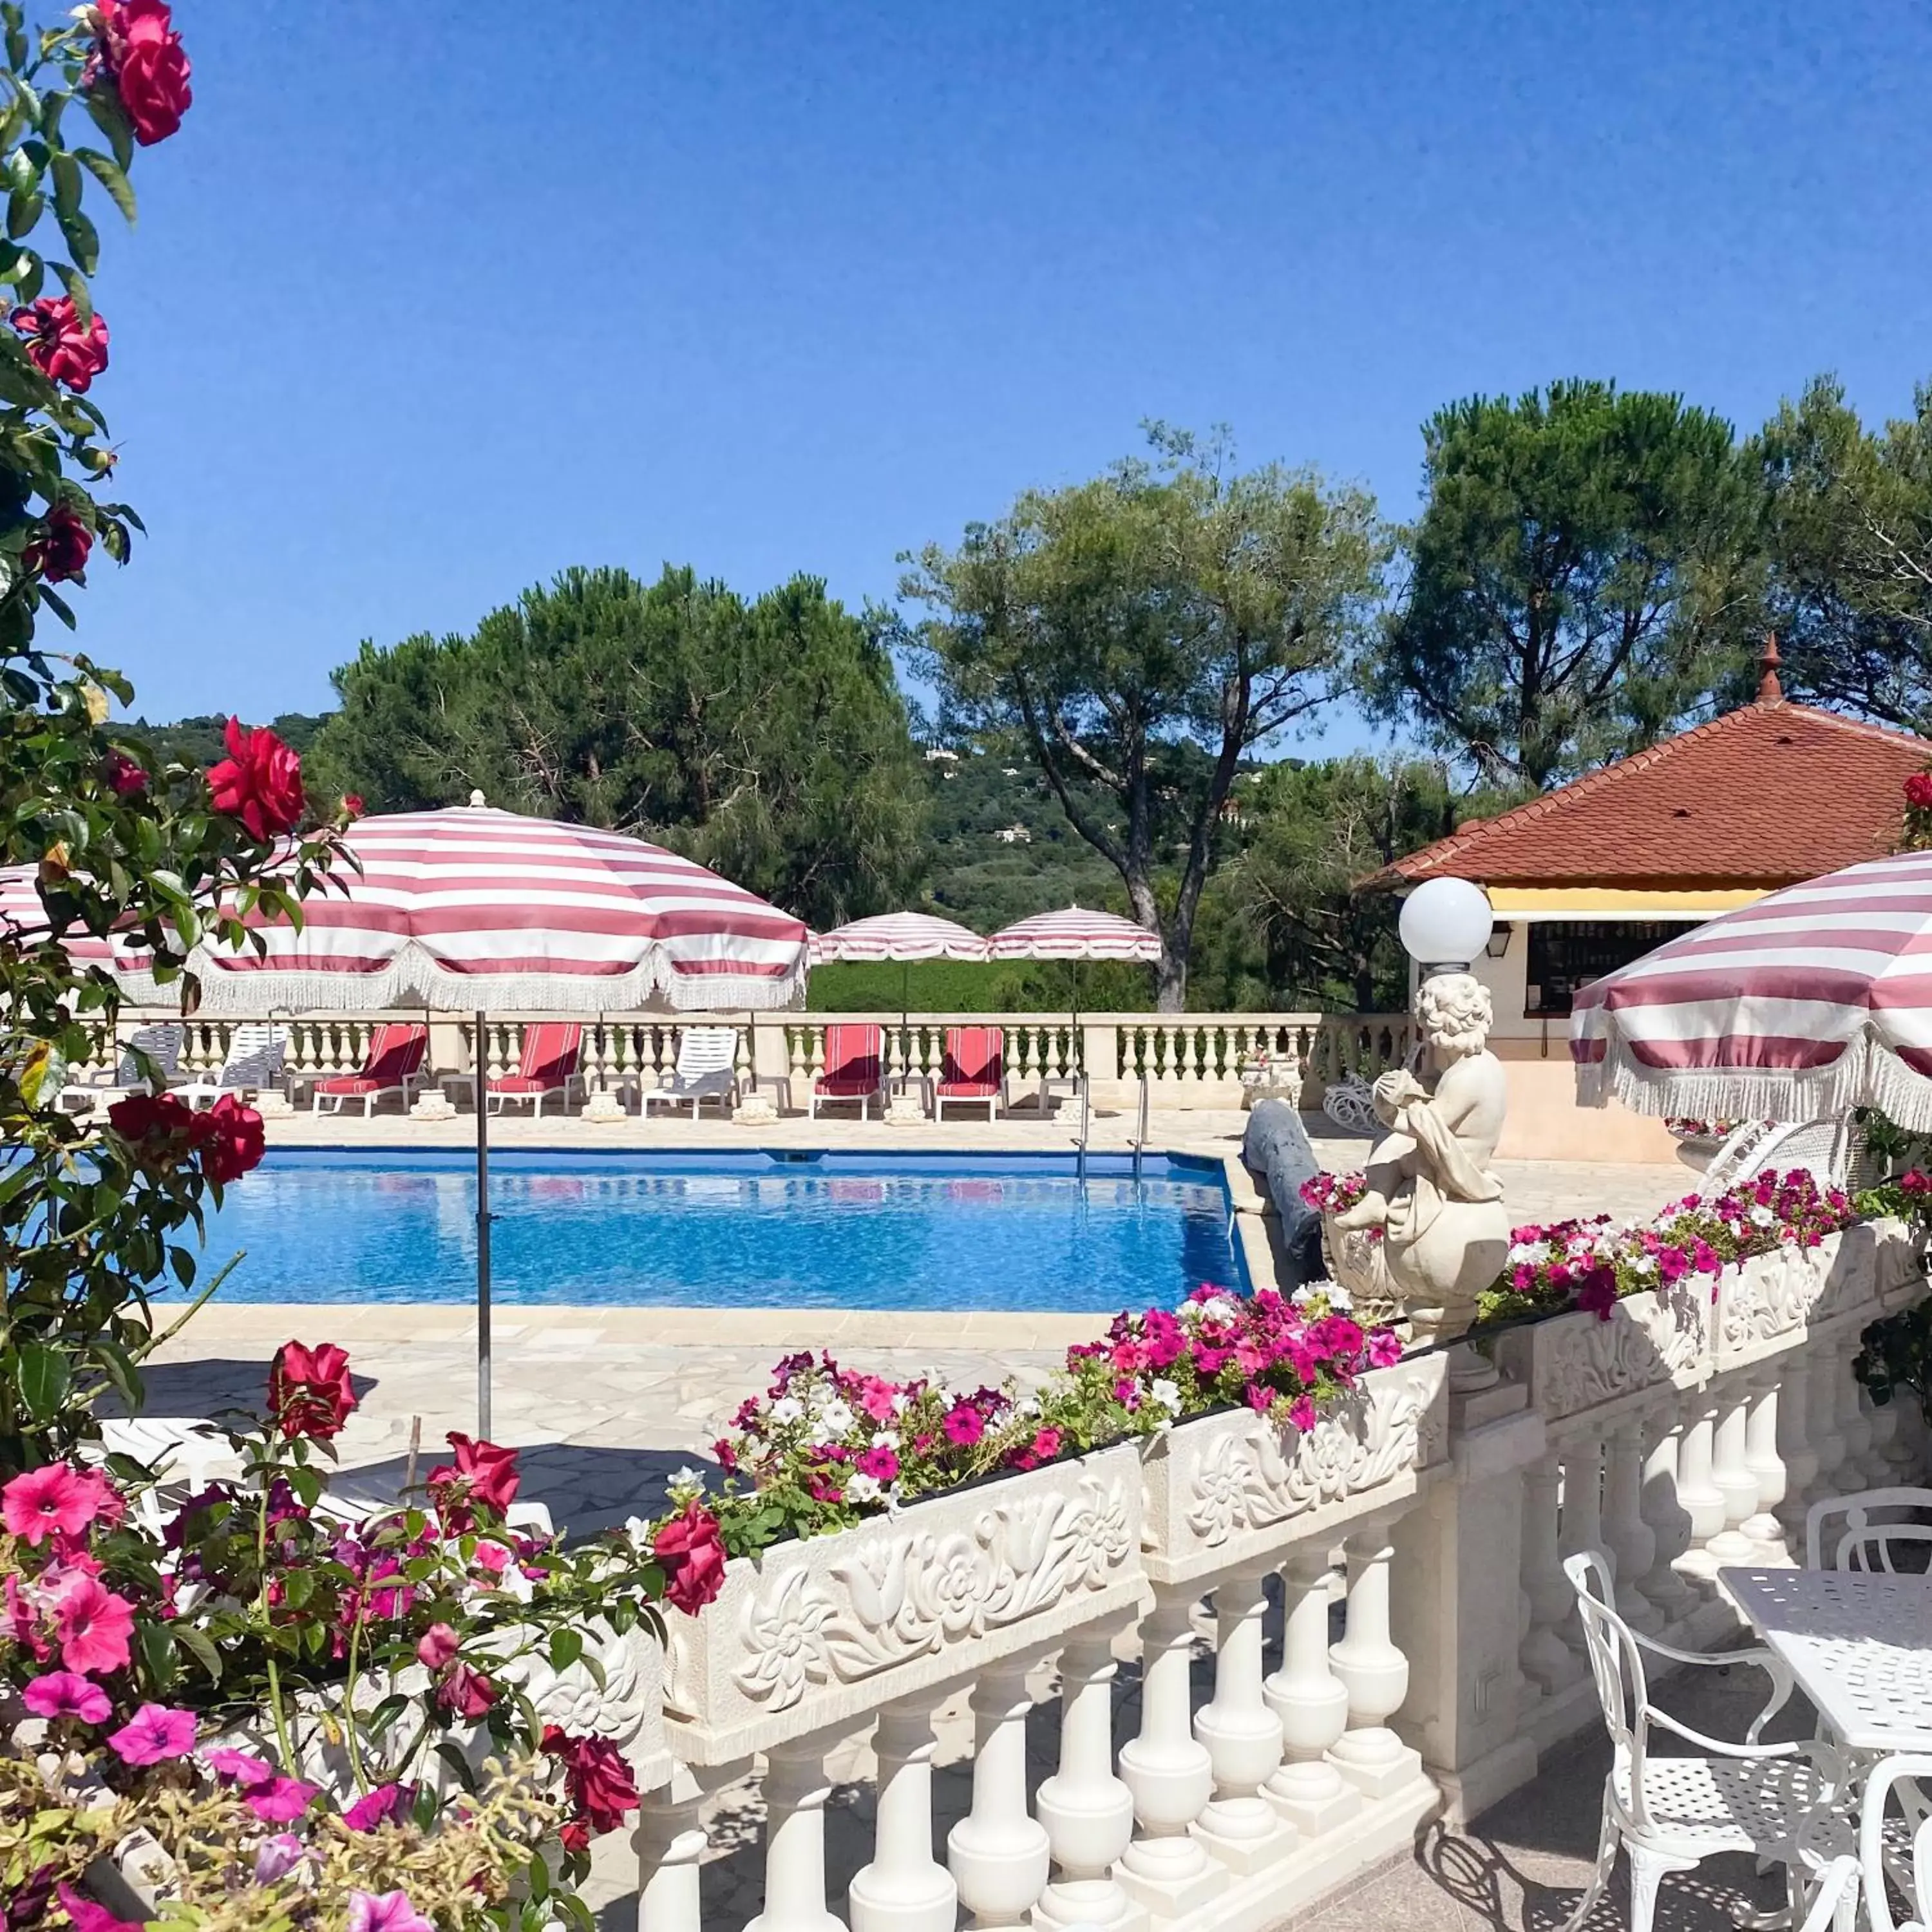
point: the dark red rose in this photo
(465, 1692)
(310, 1393)
(598, 1779)
(1918, 790)
(151, 1119)
(60, 549)
(141, 53)
(125, 779)
(230, 1138)
(353, 806)
(691, 1555)
(482, 1473)
(59, 345)
(259, 782)
(574, 1837)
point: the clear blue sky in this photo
(430, 301)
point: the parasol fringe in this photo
(1866, 1074)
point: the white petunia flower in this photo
(1762, 1216)
(861, 1488)
(1339, 1299)
(885, 1439)
(1164, 1393)
(836, 1416)
(788, 1409)
(686, 1481)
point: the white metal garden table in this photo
(1857, 1643)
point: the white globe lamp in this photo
(1445, 924)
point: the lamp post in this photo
(1445, 925)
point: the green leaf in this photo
(75, 282)
(111, 176)
(43, 1375)
(66, 173)
(107, 115)
(566, 1646)
(83, 243)
(23, 213)
(459, 1766)
(157, 1650)
(196, 1643)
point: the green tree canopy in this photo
(1581, 578)
(1849, 530)
(1139, 634)
(766, 739)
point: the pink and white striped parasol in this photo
(901, 936)
(1812, 1001)
(1074, 933)
(472, 907)
(24, 917)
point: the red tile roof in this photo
(1766, 795)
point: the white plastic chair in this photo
(253, 1063)
(1671, 1813)
(1860, 1544)
(161, 1043)
(1899, 1849)
(707, 1069)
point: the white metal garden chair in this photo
(707, 1069)
(1861, 1543)
(1897, 1847)
(1670, 1814)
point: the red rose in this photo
(483, 1473)
(59, 345)
(1918, 790)
(125, 779)
(310, 1393)
(230, 1138)
(259, 782)
(60, 550)
(353, 806)
(598, 1779)
(145, 1118)
(692, 1556)
(465, 1692)
(141, 52)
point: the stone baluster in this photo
(905, 1889)
(1168, 1771)
(1243, 1737)
(1762, 1460)
(1827, 1439)
(1631, 1541)
(998, 1854)
(1373, 1670)
(1547, 1660)
(1861, 1469)
(1087, 1812)
(1890, 1451)
(1583, 1520)
(1669, 1521)
(1796, 1448)
(1697, 1490)
(1731, 1472)
(795, 1789)
(669, 1839)
(1311, 1701)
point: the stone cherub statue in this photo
(1444, 1232)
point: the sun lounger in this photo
(254, 1063)
(161, 1044)
(548, 1066)
(707, 1069)
(972, 1071)
(391, 1064)
(854, 1068)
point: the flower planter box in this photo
(1229, 1488)
(1761, 1301)
(1574, 1363)
(813, 1633)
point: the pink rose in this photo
(436, 1647)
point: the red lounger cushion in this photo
(973, 1064)
(853, 1055)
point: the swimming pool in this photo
(746, 1229)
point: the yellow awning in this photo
(1541, 902)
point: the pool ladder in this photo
(1086, 1113)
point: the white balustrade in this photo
(1243, 1796)
(1861, 1469)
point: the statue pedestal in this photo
(432, 1105)
(275, 1106)
(906, 1109)
(605, 1107)
(755, 1110)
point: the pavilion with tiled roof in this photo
(1590, 876)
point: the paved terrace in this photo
(605, 1402)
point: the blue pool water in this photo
(750, 1229)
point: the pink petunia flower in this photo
(378, 1807)
(276, 1857)
(282, 1800)
(963, 1425)
(385, 1912)
(64, 1693)
(1301, 1413)
(52, 1501)
(93, 1626)
(241, 1768)
(86, 1916)
(153, 1734)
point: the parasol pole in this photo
(481, 1086)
